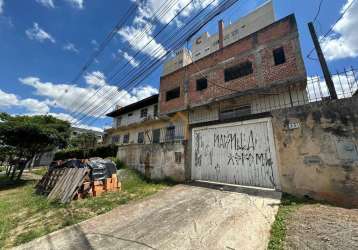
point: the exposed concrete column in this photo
(221, 34)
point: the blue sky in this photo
(44, 44)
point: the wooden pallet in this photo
(49, 180)
(68, 185)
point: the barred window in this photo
(115, 139)
(170, 133)
(141, 137)
(126, 138)
(143, 113)
(156, 135)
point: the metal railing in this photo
(169, 134)
(279, 97)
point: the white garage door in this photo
(240, 153)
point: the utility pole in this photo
(322, 61)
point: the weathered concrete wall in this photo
(317, 147)
(156, 161)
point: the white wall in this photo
(181, 59)
(260, 18)
(135, 118)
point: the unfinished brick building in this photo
(255, 72)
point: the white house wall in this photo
(207, 44)
(135, 118)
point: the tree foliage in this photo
(30, 135)
(84, 141)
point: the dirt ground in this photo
(322, 227)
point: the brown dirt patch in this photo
(322, 227)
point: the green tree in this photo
(84, 141)
(31, 135)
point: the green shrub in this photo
(103, 152)
(118, 162)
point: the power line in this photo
(318, 11)
(159, 11)
(332, 27)
(103, 45)
(179, 42)
(153, 39)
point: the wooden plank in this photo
(69, 183)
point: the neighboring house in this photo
(146, 140)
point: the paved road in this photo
(181, 217)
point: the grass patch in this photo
(40, 171)
(25, 216)
(289, 204)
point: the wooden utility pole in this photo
(322, 61)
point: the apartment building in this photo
(151, 144)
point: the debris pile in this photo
(77, 179)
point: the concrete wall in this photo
(156, 161)
(317, 147)
(258, 19)
(181, 59)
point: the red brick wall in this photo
(212, 67)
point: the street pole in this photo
(322, 61)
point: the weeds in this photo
(25, 216)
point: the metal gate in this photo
(240, 153)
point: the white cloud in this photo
(36, 33)
(77, 3)
(146, 43)
(72, 98)
(96, 78)
(131, 60)
(69, 118)
(144, 92)
(70, 47)
(94, 42)
(9, 100)
(343, 43)
(46, 3)
(36, 107)
(141, 32)
(1, 6)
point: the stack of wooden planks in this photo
(49, 180)
(65, 184)
(69, 184)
